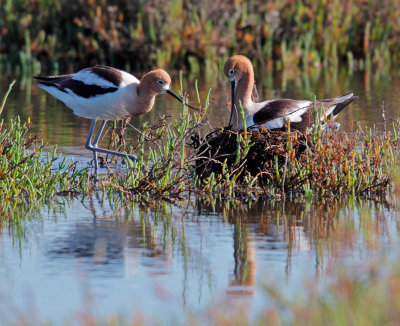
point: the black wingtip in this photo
(42, 78)
(46, 83)
(340, 106)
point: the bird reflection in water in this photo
(109, 239)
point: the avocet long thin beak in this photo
(180, 100)
(233, 84)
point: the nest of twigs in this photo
(269, 150)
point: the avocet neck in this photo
(145, 100)
(243, 92)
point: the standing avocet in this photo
(105, 93)
(273, 114)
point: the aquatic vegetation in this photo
(178, 158)
(164, 166)
(27, 174)
(318, 163)
(140, 34)
(256, 164)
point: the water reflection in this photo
(100, 243)
(182, 258)
(328, 229)
(108, 237)
(244, 272)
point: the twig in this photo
(383, 116)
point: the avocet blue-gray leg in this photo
(96, 139)
(95, 143)
(88, 145)
(93, 146)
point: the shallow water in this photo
(86, 257)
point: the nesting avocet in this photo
(105, 93)
(273, 114)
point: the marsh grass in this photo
(28, 175)
(255, 164)
(26, 172)
(271, 164)
(173, 163)
(164, 168)
(142, 34)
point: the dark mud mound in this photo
(268, 150)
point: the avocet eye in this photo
(161, 82)
(231, 72)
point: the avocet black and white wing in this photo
(274, 113)
(92, 92)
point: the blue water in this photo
(170, 261)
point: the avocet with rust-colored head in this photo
(105, 93)
(276, 113)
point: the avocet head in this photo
(235, 67)
(157, 82)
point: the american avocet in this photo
(105, 93)
(273, 114)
